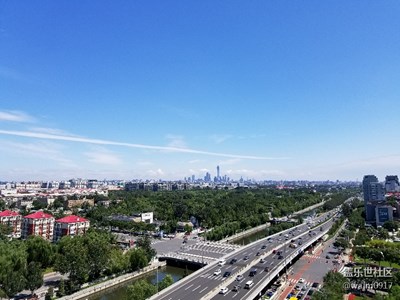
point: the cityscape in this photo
(199, 150)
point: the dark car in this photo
(280, 257)
(253, 272)
(263, 246)
(227, 274)
(258, 254)
(315, 285)
(266, 269)
(246, 257)
(233, 260)
(236, 288)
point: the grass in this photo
(368, 261)
(48, 270)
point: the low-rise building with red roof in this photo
(70, 225)
(12, 219)
(38, 223)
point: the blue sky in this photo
(265, 89)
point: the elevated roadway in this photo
(206, 284)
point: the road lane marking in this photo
(203, 289)
(189, 287)
(196, 288)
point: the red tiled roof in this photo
(39, 215)
(71, 219)
(8, 213)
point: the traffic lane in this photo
(272, 261)
(177, 294)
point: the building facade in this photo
(12, 219)
(38, 223)
(70, 226)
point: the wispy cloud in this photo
(155, 173)
(230, 161)
(103, 156)
(51, 131)
(15, 116)
(39, 135)
(43, 150)
(220, 138)
(176, 141)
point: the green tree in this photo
(61, 288)
(39, 250)
(145, 244)
(118, 262)
(34, 276)
(140, 290)
(72, 259)
(138, 259)
(49, 294)
(98, 252)
(391, 226)
(341, 243)
(165, 282)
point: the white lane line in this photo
(203, 289)
(234, 268)
(189, 287)
(196, 288)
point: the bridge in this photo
(208, 281)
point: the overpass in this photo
(206, 284)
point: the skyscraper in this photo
(218, 173)
(373, 193)
(392, 184)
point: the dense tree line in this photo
(84, 258)
(211, 208)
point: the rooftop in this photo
(71, 219)
(39, 215)
(8, 213)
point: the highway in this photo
(204, 284)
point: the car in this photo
(327, 257)
(297, 287)
(239, 277)
(258, 254)
(280, 256)
(246, 257)
(263, 246)
(221, 262)
(253, 272)
(301, 280)
(236, 288)
(233, 260)
(274, 251)
(249, 284)
(227, 274)
(262, 260)
(310, 292)
(217, 272)
(223, 290)
(315, 285)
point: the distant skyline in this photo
(269, 90)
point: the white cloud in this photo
(51, 131)
(43, 150)
(176, 141)
(15, 116)
(195, 161)
(155, 173)
(218, 139)
(230, 161)
(144, 163)
(103, 156)
(39, 135)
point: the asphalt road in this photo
(198, 286)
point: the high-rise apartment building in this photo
(392, 184)
(70, 225)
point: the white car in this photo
(217, 272)
(301, 280)
(239, 277)
(224, 290)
